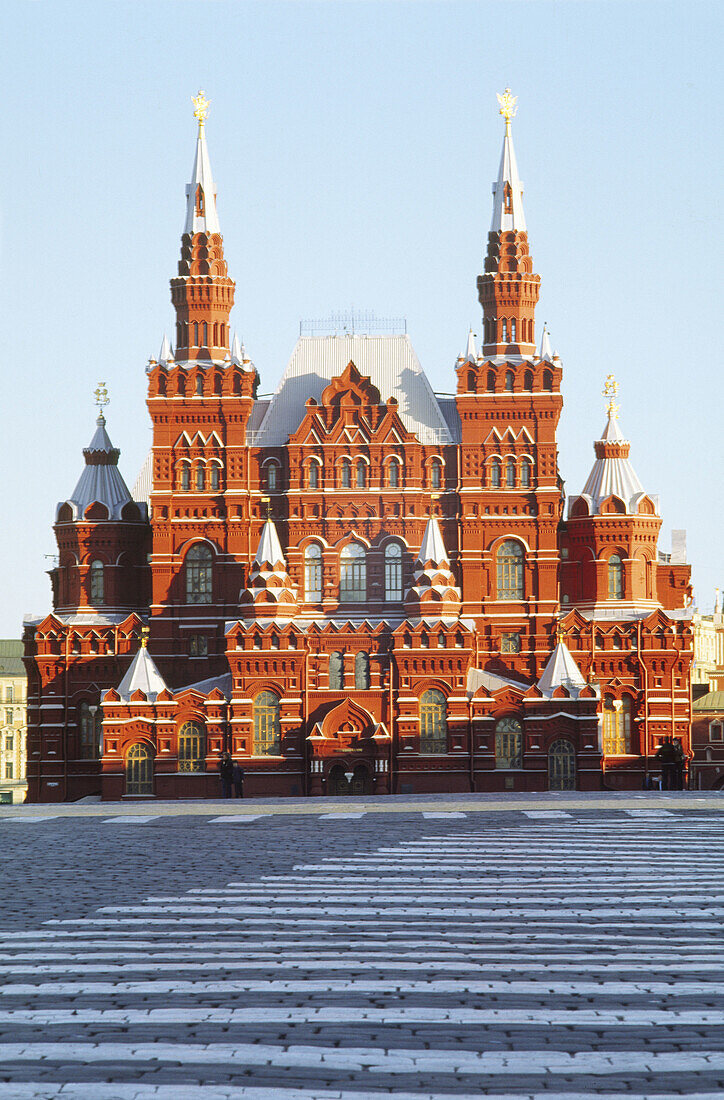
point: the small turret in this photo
(269, 593)
(433, 592)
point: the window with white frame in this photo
(353, 574)
(393, 571)
(199, 573)
(313, 573)
(716, 731)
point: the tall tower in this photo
(203, 293)
(508, 290)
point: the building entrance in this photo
(562, 766)
(339, 784)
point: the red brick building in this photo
(357, 584)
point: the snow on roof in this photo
(612, 474)
(391, 363)
(561, 671)
(101, 480)
(142, 675)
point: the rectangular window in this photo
(199, 645)
(9, 694)
(9, 716)
(510, 643)
(10, 742)
(716, 731)
(9, 769)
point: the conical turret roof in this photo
(101, 481)
(561, 671)
(433, 545)
(270, 549)
(612, 474)
(508, 213)
(142, 675)
(201, 215)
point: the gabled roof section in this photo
(561, 671)
(142, 675)
(389, 362)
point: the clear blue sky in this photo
(353, 146)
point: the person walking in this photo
(680, 765)
(238, 780)
(226, 771)
(666, 756)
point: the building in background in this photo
(357, 585)
(13, 728)
(708, 648)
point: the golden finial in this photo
(560, 633)
(610, 390)
(201, 104)
(145, 631)
(101, 396)
(508, 107)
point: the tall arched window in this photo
(361, 474)
(496, 468)
(491, 381)
(615, 578)
(393, 571)
(346, 473)
(196, 334)
(272, 477)
(199, 574)
(433, 722)
(504, 331)
(353, 574)
(525, 473)
(509, 381)
(508, 743)
(547, 380)
(436, 473)
(192, 747)
(528, 380)
(510, 473)
(313, 475)
(336, 671)
(393, 473)
(214, 479)
(199, 386)
(90, 727)
(313, 573)
(185, 478)
(616, 726)
(139, 770)
(97, 585)
(267, 730)
(199, 479)
(206, 335)
(362, 671)
(509, 560)
(512, 331)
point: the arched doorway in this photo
(139, 770)
(562, 766)
(339, 785)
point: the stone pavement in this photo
(546, 947)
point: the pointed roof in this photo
(433, 546)
(471, 354)
(508, 191)
(546, 351)
(101, 480)
(201, 216)
(612, 474)
(165, 353)
(561, 671)
(142, 675)
(270, 549)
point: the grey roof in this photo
(449, 409)
(613, 476)
(11, 653)
(391, 363)
(142, 486)
(223, 683)
(142, 675)
(101, 481)
(561, 671)
(713, 700)
(491, 681)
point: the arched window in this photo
(616, 726)
(97, 585)
(393, 571)
(362, 671)
(353, 574)
(272, 477)
(504, 331)
(199, 479)
(491, 381)
(361, 474)
(508, 743)
(528, 380)
(496, 468)
(199, 386)
(336, 672)
(510, 473)
(313, 573)
(196, 334)
(393, 473)
(206, 335)
(512, 331)
(313, 475)
(509, 381)
(267, 736)
(436, 473)
(192, 747)
(433, 722)
(547, 380)
(90, 727)
(615, 578)
(525, 472)
(185, 478)
(509, 560)
(139, 770)
(346, 473)
(198, 574)
(214, 479)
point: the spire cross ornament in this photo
(508, 107)
(145, 631)
(201, 104)
(101, 396)
(610, 390)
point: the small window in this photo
(9, 769)
(433, 722)
(199, 479)
(508, 743)
(272, 477)
(10, 693)
(96, 583)
(185, 478)
(314, 475)
(616, 726)
(214, 479)
(491, 381)
(504, 332)
(525, 478)
(510, 643)
(528, 380)
(362, 671)
(512, 331)
(394, 474)
(199, 386)
(509, 380)
(436, 473)
(615, 578)
(199, 574)
(510, 473)
(336, 672)
(393, 571)
(267, 729)
(313, 573)
(353, 574)
(346, 473)
(192, 747)
(361, 474)
(496, 473)
(198, 645)
(89, 728)
(10, 743)
(716, 731)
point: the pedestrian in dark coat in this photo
(226, 771)
(238, 779)
(680, 764)
(666, 755)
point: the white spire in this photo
(142, 675)
(508, 191)
(546, 352)
(433, 546)
(561, 671)
(165, 353)
(471, 354)
(201, 216)
(237, 355)
(270, 549)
